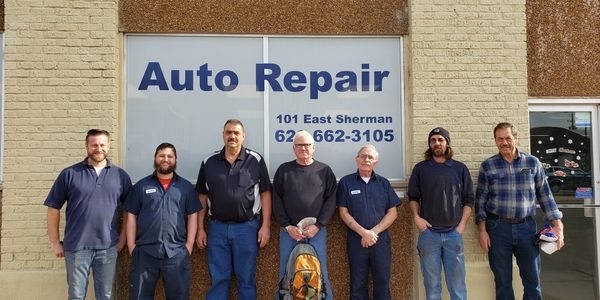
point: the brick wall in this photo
(61, 78)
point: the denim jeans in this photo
(146, 269)
(232, 247)
(319, 242)
(376, 260)
(518, 239)
(103, 264)
(442, 249)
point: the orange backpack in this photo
(303, 279)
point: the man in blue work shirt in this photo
(367, 205)
(440, 191)
(235, 184)
(161, 227)
(509, 186)
(93, 190)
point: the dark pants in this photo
(146, 269)
(377, 260)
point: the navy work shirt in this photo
(92, 203)
(162, 215)
(367, 203)
(234, 190)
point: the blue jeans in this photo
(518, 239)
(232, 247)
(146, 269)
(442, 249)
(79, 263)
(319, 242)
(376, 259)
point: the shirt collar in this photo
(242, 156)
(447, 163)
(86, 163)
(373, 175)
(175, 176)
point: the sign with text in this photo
(346, 92)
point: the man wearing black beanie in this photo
(440, 191)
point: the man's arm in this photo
(264, 233)
(484, 238)
(192, 226)
(466, 212)
(131, 229)
(53, 235)
(421, 223)
(123, 234)
(201, 233)
(558, 230)
(368, 237)
(386, 221)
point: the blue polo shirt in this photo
(162, 215)
(234, 190)
(367, 203)
(92, 203)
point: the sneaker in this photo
(547, 235)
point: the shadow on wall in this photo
(268, 263)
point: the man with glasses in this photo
(367, 205)
(304, 188)
(509, 186)
(440, 191)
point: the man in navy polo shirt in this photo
(161, 228)
(367, 205)
(93, 190)
(235, 184)
(441, 197)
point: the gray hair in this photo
(304, 134)
(368, 146)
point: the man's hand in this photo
(121, 244)
(460, 228)
(558, 230)
(294, 232)
(421, 223)
(189, 247)
(264, 234)
(201, 238)
(130, 247)
(368, 238)
(484, 240)
(310, 231)
(57, 249)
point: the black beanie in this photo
(441, 131)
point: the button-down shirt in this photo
(511, 190)
(92, 202)
(162, 215)
(368, 202)
(234, 190)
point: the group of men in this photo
(165, 215)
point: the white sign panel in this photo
(345, 91)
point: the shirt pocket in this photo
(245, 179)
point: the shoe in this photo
(547, 235)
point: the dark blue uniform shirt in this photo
(367, 203)
(234, 190)
(162, 215)
(92, 203)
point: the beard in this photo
(165, 170)
(438, 152)
(97, 157)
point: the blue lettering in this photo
(203, 73)
(188, 84)
(315, 87)
(348, 78)
(292, 78)
(261, 77)
(153, 70)
(233, 80)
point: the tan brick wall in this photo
(467, 71)
(61, 78)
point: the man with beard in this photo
(234, 184)
(509, 186)
(440, 191)
(161, 227)
(93, 190)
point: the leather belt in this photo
(509, 220)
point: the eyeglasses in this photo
(305, 146)
(365, 156)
